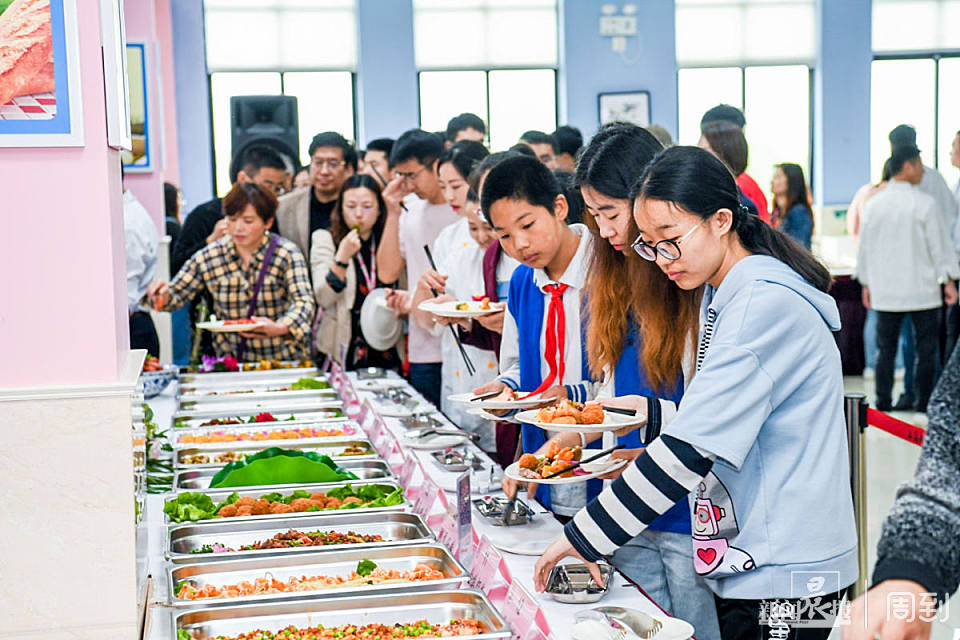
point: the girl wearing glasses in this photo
(343, 277)
(759, 438)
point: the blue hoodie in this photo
(773, 513)
(768, 403)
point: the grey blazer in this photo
(293, 219)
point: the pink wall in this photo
(149, 21)
(63, 293)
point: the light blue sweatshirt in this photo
(758, 442)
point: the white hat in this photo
(380, 325)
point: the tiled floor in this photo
(890, 462)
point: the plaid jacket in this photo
(285, 296)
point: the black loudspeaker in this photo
(266, 120)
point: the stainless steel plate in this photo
(230, 452)
(573, 584)
(234, 378)
(351, 428)
(257, 398)
(395, 528)
(366, 469)
(437, 607)
(328, 564)
(284, 405)
(194, 420)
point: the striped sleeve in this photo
(661, 476)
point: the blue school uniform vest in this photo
(630, 378)
(526, 302)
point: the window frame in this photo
(486, 74)
(936, 56)
(281, 72)
(811, 85)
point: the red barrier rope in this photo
(891, 425)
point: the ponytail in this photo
(758, 237)
(699, 183)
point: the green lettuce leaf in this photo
(365, 567)
(280, 466)
(309, 383)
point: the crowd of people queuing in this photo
(657, 278)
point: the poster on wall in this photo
(139, 157)
(40, 102)
(625, 106)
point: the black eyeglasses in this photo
(669, 249)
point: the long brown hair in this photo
(626, 289)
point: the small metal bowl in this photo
(573, 584)
(370, 373)
(492, 509)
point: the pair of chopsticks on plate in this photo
(472, 370)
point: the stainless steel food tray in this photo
(201, 402)
(195, 419)
(436, 607)
(219, 495)
(202, 387)
(233, 378)
(331, 447)
(365, 470)
(236, 429)
(396, 528)
(329, 564)
(272, 405)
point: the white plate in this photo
(489, 416)
(391, 410)
(378, 384)
(512, 472)
(449, 309)
(218, 326)
(611, 422)
(529, 547)
(436, 442)
(464, 398)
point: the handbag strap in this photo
(267, 257)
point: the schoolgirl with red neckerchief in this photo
(541, 349)
(345, 275)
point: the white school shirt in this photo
(904, 256)
(936, 187)
(141, 241)
(420, 225)
(574, 277)
(956, 223)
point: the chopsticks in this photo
(590, 459)
(485, 396)
(466, 359)
(624, 412)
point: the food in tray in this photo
(292, 539)
(484, 304)
(567, 412)
(366, 573)
(152, 363)
(557, 459)
(192, 506)
(257, 436)
(221, 364)
(356, 449)
(375, 631)
(240, 321)
(216, 422)
(269, 365)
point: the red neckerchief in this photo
(555, 335)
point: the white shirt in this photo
(420, 225)
(956, 223)
(575, 276)
(936, 187)
(141, 241)
(904, 256)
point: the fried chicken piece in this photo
(352, 499)
(566, 409)
(279, 507)
(301, 504)
(244, 511)
(545, 415)
(332, 503)
(592, 413)
(227, 511)
(527, 461)
(260, 507)
(320, 495)
(557, 466)
(564, 420)
(245, 501)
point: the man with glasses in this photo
(332, 160)
(413, 161)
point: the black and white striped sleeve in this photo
(661, 476)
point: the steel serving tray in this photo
(204, 387)
(200, 401)
(233, 378)
(328, 564)
(365, 470)
(351, 429)
(316, 400)
(332, 447)
(196, 419)
(396, 528)
(436, 607)
(219, 495)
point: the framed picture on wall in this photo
(624, 106)
(140, 155)
(40, 102)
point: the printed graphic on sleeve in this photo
(714, 525)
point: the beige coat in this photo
(334, 328)
(293, 218)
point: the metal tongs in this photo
(628, 623)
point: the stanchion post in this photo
(855, 411)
